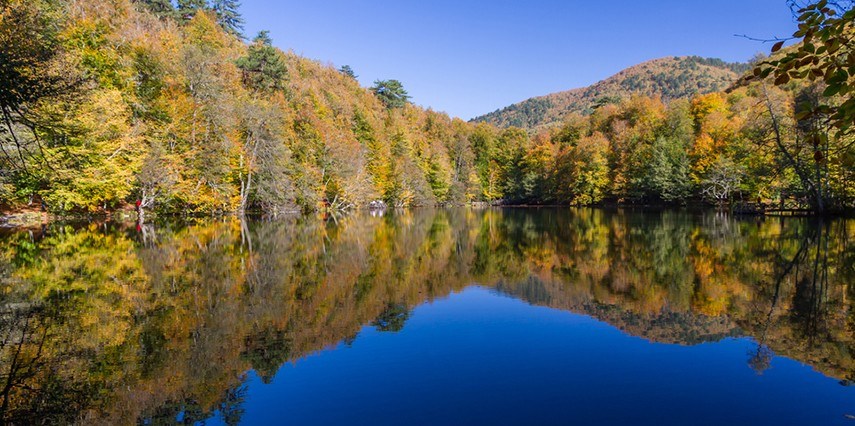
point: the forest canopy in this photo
(166, 106)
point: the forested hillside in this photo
(740, 146)
(111, 103)
(668, 78)
(781, 137)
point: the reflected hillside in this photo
(114, 325)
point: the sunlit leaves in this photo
(826, 53)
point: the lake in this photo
(432, 316)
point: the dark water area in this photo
(457, 316)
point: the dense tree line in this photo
(746, 145)
(165, 105)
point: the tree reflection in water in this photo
(104, 323)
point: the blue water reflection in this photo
(431, 316)
(480, 357)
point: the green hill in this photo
(670, 78)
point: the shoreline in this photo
(26, 218)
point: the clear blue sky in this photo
(468, 57)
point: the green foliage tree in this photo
(512, 145)
(228, 16)
(668, 173)
(160, 8)
(391, 93)
(188, 8)
(348, 71)
(263, 67)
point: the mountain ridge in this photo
(671, 77)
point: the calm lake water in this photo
(459, 316)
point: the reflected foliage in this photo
(392, 318)
(114, 324)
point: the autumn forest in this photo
(111, 103)
(201, 226)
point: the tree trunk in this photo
(804, 175)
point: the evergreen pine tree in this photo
(391, 93)
(228, 16)
(160, 8)
(263, 67)
(348, 71)
(188, 8)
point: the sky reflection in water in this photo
(480, 357)
(458, 316)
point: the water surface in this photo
(459, 316)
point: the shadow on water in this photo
(160, 324)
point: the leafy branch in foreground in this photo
(825, 53)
